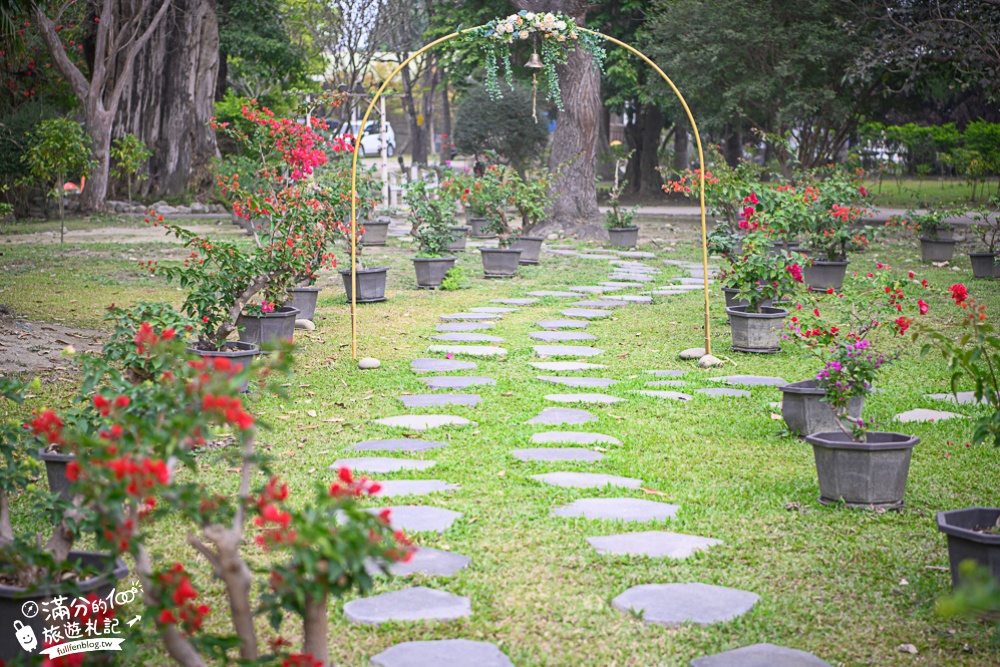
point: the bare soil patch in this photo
(28, 346)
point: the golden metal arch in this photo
(441, 40)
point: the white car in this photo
(370, 144)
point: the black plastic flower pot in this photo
(107, 570)
(984, 264)
(55, 471)
(376, 233)
(530, 247)
(268, 328)
(458, 245)
(758, 333)
(967, 539)
(371, 284)
(821, 276)
(500, 262)
(304, 298)
(239, 354)
(805, 411)
(624, 237)
(477, 229)
(431, 270)
(937, 250)
(862, 474)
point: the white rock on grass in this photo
(708, 361)
(305, 324)
(693, 353)
(368, 363)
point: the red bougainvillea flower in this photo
(301, 660)
(923, 306)
(959, 293)
(902, 324)
(49, 425)
(796, 272)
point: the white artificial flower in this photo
(523, 34)
(529, 15)
(560, 25)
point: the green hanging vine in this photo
(557, 32)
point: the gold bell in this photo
(534, 62)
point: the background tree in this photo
(504, 126)
(57, 151)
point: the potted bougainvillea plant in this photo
(495, 193)
(986, 227)
(618, 221)
(128, 484)
(932, 230)
(532, 199)
(452, 186)
(432, 222)
(847, 333)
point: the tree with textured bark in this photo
(123, 29)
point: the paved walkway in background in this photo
(686, 210)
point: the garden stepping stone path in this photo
(674, 604)
(631, 277)
(413, 487)
(962, 398)
(586, 313)
(422, 422)
(573, 437)
(553, 416)
(566, 351)
(560, 336)
(557, 454)
(464, 326)
(628, 285)
(761, 655)
(676, 395)
(617, 509)
(631, 298)
(565, 366)
(665, 373)
(651, 543)
(492, 309)
(563, 324)
(693, 281)
(469, 317)
(410, 604)
(418, 518)
(577, 381)
(583, 398)
(472, 350)
(467, 338)
(558, 295)
(440, 365)
(723, 391)
(456, 382)
(592, 289)
(600, 304)
(442, 653)
(587, 480)
(397, 445)
(667, 383)
(924, 415)
(431, 562)
(381, 464)
(638, 254)
(437, 400)
(752, 380)
(515, 302)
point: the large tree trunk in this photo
(680, 147)
(574, 146)
(99, 130)
(644, 139)
(171, 97)
(446, 138)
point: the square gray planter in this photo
(371, 284)
(805, 411)
(477, 229)
(984, 265)
(240, 355)
(862, 474)
(431, 270)
(461, 234)
(268, 328)
(304, 298)
(500, 262)
(966, 541)
(757, 332)
(937, 250)
(530, 247)
(821, 276)
(376, 233)
(624, 237)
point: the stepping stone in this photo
(418, 518)
(492, 309)
(515, 302)
(667, 374)
(924, 415)
(587, 480)
(553, 416)
(632, 277)
(586, 313)
(437, 400)
(430, 562)
(472, 350)
(577, 382)
(410, 604)
(752, 380)
(677, 289)
(558, 295)
(565, 366)
(618, 509)
(422, 422)
(692, 353)
(467, 338)
(574, 437)
(563, 324)
(673, 604)
(381, 464)
(583, 256)
(455, 382)
(599, 304)
(628, 285)
(440, 365)
(638, 254)
(413, 487)
(723, 391)
(567, 253)
(442, 653)
(468, 317)
(566, 351)
(464, 326)
(692, 281)
(558, 454)
(676, 395)
(592, 289)
(761, 655)
(583, 398)
(962, 398)
(557, 336)
(630, 298)
(397, 445)
(652, 543)
(667, 383)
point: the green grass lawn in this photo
(916, 193)
(850, 586)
